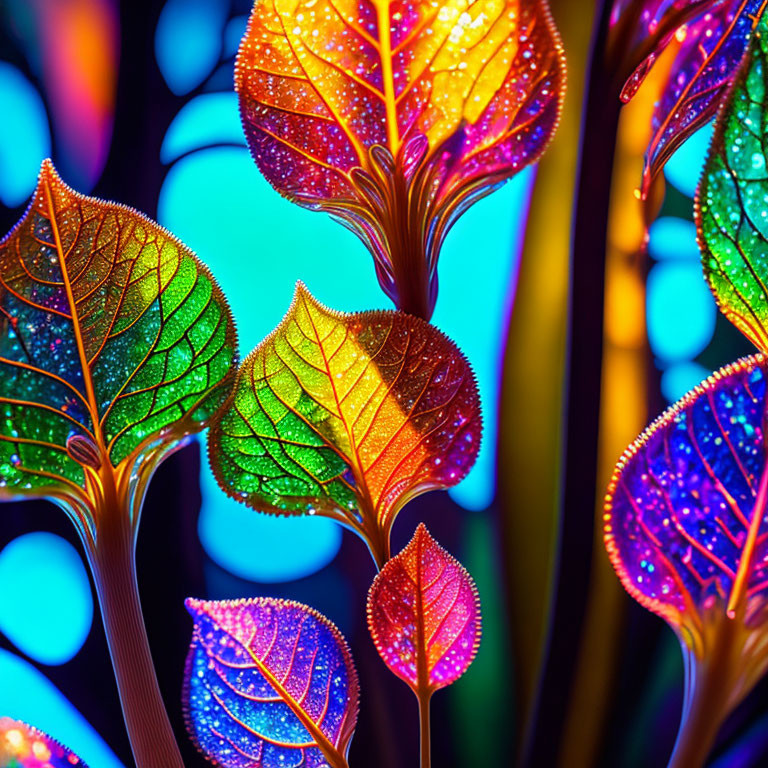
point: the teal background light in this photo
(26, 694)
(46, 608)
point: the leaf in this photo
(685, 512)
(269, 683)
(115, 343)
(22, 746)
(702, 72)
(396, 116)
(348, 416)
(730, 201)
(424, 615)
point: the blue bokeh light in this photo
(680, 309)
(46, 609)
(672, 238)
(27, 695)
(681, 378)
(683, 170)
(25, 138)
(188, 41)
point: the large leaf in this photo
(22, 746)
(269, 684)
(395, 116)
(731, 200)
(424, 615)
(686, 509)
(115, 343)
(348, 416)
(702, 72)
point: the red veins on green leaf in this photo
(22, 746)
(424, 615)
(348, 416)
(396, 116)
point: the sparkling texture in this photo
(115, 343)
(703, 70)
(732, 200)
(269, 684)
(22, 746)
(349, 416)
(396, 116)
(682, 500)
(424, 615)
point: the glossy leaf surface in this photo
(686, 509)
(395, 116)
(731, 200)
(349, 416)
(115, 343)
(424, 615)
(703, 70)
(22, 746)
(269, 684)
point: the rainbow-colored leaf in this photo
(424, 615)
(731, 199)
(115, 343)
(22, 746)
(703, 70)
(269, 684)
(685, 521)
(348, 416)
(396, 116)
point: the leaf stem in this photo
(114, 570)
(424, 728)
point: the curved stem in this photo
(114, 569)
(424, 729)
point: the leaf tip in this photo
(194, 606)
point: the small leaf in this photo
(22, 746)
(115, 343)
(686, 508)
(730, 202)
(702, 72)
(396, 116)
(348, 416)
(424, 615)
(269, 683)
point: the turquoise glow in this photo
(188, 41)
(203, 121)
(25, 138)
(233, 34)
(683, 169)
(46, 609)
(681, 311)
(27, 695)
(673, 238)
(681, 378)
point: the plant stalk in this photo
(114, 569)
(425, 738)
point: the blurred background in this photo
(134, 103)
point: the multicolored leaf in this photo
(115, 343)
(269, 684)
(703, 70)
(22, 746)
(348, 416)
(424, 615)
(731, 199)
(685, 520)
(396, 116)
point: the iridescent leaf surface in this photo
(700, 76)
(395, 116)
(424, 615)
(731, 200)
(269, 684)
(22, 746)
(349, 416)
(115, 343)
(686, 509)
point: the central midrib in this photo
(385, 53)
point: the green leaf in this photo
(115, 344)
(732, 199)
